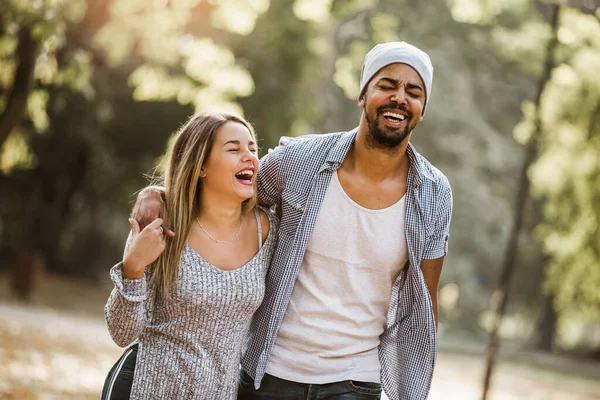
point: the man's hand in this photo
(145, 248)
(432, 270)
(149, 206)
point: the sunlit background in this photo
(92, 90)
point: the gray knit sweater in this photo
(189, 344)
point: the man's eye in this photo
(386, 87)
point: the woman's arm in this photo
(129, 308)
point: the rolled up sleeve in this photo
(437, 244)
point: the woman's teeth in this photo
(245, 175)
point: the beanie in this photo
(385, 54)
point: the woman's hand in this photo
(145, 248)
(149, 205)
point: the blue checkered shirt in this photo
(294, 177)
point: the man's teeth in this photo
(394, 115)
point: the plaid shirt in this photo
(294, 177)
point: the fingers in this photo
(147, 205)
(157, 223)
(135, 228)
(167, 229)
(166, 226)
(169, 233)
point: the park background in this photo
(92, 90)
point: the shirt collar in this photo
(338, 153)
(340, 149)
(416, 165)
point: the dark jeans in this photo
(117, 385)
(272, 388)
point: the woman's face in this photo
(232, 164)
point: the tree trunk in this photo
(547, 325)
(531, 153)
(16, 103)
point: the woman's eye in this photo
(234, 150)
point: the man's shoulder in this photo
(307, 151)
(309, 142)
(433, 174)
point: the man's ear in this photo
(361, 100)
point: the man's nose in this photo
(399, 96)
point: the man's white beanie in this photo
(385, 54)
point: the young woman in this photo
(187, 300)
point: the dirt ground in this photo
(58, 348)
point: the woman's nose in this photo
(248, 155)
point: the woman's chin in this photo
(244, 195)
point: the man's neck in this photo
(376, 163)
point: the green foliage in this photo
(48, 21)
(286, 75)
(347, 68)
(81, 151)
(174, 64)
(567, 174)
(565, 177)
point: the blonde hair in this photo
(183, 184)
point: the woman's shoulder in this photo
(268, 220)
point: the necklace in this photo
(223, 241)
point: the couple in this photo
(332, 296)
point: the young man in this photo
(351, 296)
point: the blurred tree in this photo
(515, 32)
(531, 153)
(289, 71)
(567, 174)
(31, 34)
(110, 86)
(169, 61)
(67, 205)
(14, 109)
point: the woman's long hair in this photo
(183, 185)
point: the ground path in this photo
(58, 348)
(48, 355)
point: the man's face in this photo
(392, 104)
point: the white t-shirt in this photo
(330, 331)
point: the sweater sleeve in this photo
(128, 308)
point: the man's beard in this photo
(379, 138)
